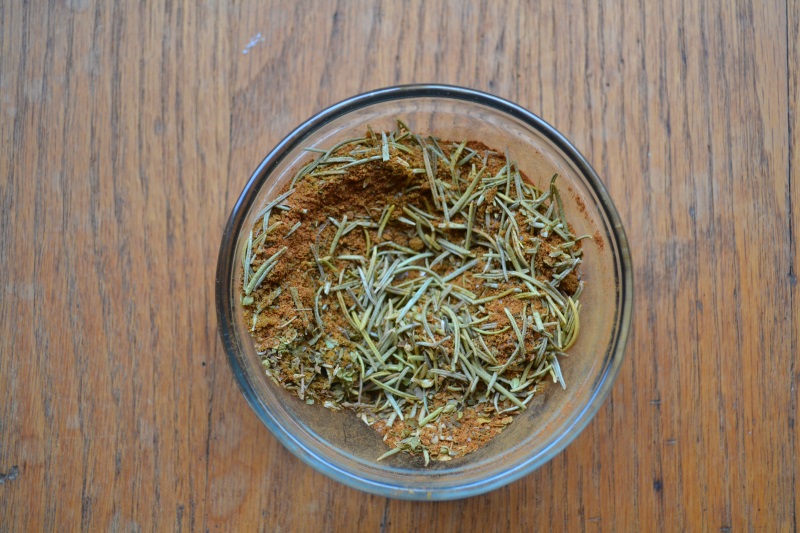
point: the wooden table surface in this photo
(129, 129)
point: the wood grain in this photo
(128, 130)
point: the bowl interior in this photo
(341, 445)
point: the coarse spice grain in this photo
(425, 284)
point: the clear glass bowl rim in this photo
(228, 253)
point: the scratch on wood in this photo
(385, 517)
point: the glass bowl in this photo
(339, 444)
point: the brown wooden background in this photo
(127, 131)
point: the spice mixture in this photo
(425, 284)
